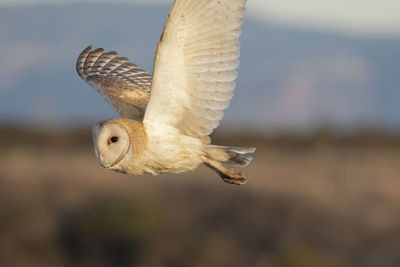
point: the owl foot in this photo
(232, 176)
(229, 175)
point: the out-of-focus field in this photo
(313, 200)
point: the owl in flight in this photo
(166, 119)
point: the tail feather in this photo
(237, 156)
(240, 155)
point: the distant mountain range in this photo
(287, 78)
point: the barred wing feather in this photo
(123, 84)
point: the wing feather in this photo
(195, 65)
(123, 84)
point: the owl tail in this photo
(219, 156)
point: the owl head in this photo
(115, 139)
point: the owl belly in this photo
(164, 154)
(174, 155)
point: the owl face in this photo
(111, 142)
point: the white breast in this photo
(170, 151)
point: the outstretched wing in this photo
(195, 65)
(123, 84)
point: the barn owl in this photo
(166, 119)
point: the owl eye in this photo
(114, 139)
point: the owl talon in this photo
(233, 177)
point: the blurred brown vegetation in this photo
(317, 199)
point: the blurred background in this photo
(318, 94)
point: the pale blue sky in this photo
(303, 63)
(361, 17)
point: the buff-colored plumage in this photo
(168, 129)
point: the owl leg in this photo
(228, 174)
(217, 157)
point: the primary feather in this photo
(195, 65)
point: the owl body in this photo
(158, 152)
(172, 151)
(166, 119)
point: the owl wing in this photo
(123, 84)
(195, 65)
